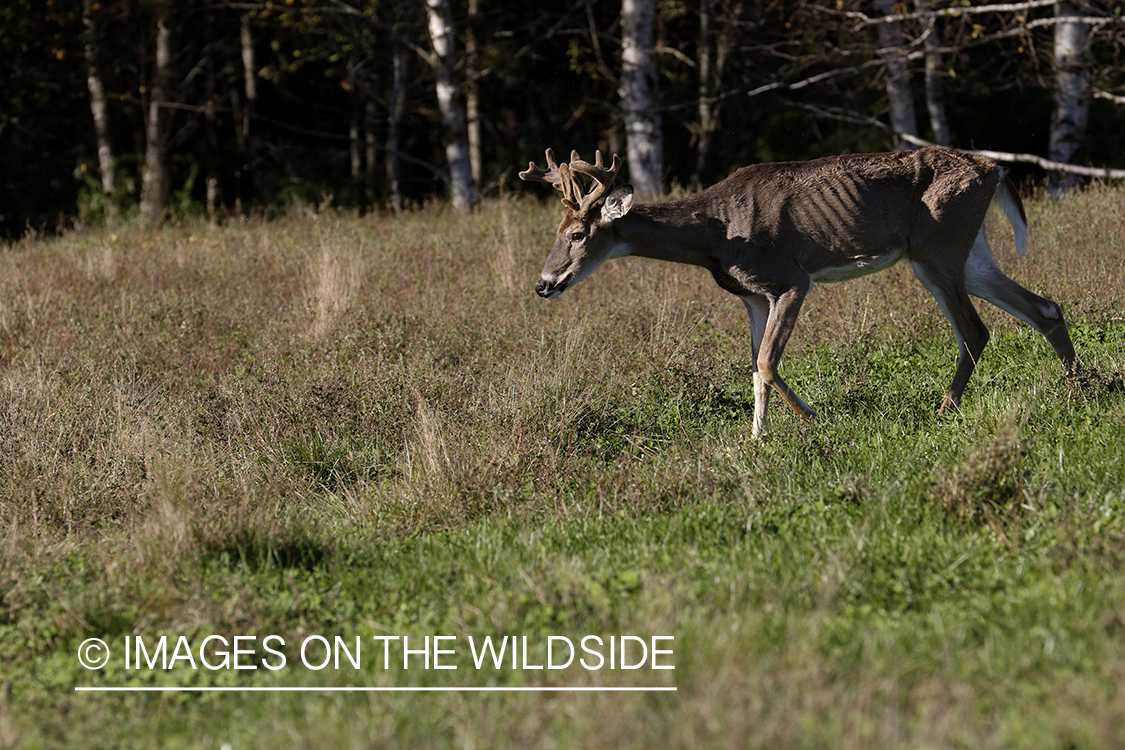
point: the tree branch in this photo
(812, 79)
(837, 113)
(866, 20)
(1111, 97)
(1053, 166)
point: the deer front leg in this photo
(758, 308)
(783, 316)
(780, 312)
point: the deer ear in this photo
(617, 203)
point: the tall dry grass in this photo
(400, 374)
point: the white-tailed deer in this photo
(768, 231)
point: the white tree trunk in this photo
(98, 107)
(155, 187)
(249, 73)
(1072, 97)
(472, 93)
(452, 110)
(903, 120)
(644, 135)
(244, 113)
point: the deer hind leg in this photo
(985, 280)
(783, 311)
(948, 289)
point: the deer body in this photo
(769, 231)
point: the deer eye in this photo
(577, 236)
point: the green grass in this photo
(342, 426)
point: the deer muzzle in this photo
(550, 288)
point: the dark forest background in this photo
(226, 108)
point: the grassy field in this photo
(366, 427)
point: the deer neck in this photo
(666, 231)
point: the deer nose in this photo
(550, 287)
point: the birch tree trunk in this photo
(903, 120)
(935, 85)
(1072, 98)
(644, 134)
(99, 109)
(452, 109)
(244, 113)
(249, 74)
(472, 92)
(155, 182)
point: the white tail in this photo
(1010, 203)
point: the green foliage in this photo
(183, 204)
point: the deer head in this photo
(585, 238)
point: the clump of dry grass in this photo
(334, 280)
(987, 487)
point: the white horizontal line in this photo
(373, 689)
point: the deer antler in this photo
(597, 171)
(557, 175)
(564, 177)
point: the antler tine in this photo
(551, 176)
(571, 188)
(597, 159)
(603, 177)
(565, 178)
